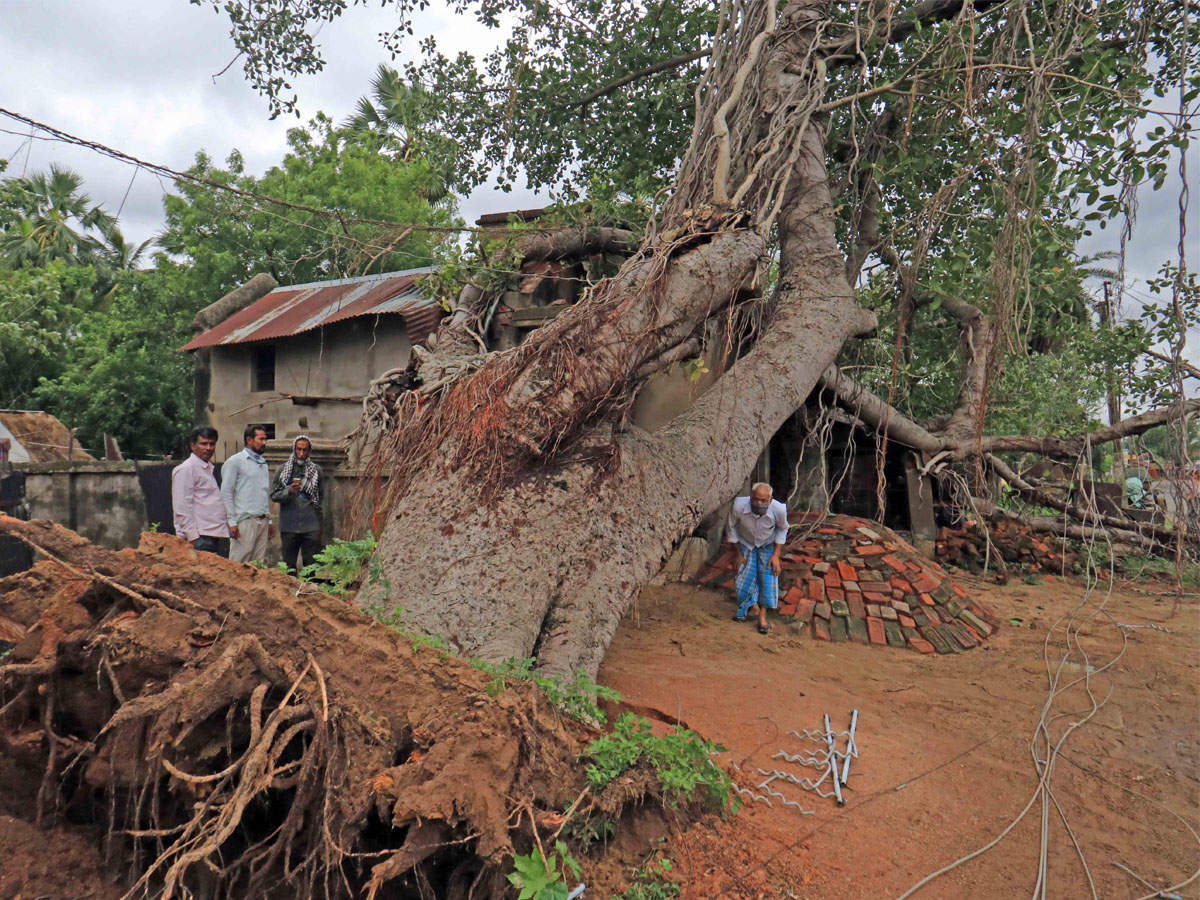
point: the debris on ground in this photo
(831, 764)
(853, 579)
(1022, 548)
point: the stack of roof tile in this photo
(1022, 548)
(855, 580)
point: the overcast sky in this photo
(137, 75)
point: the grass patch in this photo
(1138, 567)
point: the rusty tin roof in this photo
(293, 309)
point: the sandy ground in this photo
(945, 762)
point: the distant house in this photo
(35, 436)
(299, 359)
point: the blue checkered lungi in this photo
(755, 582)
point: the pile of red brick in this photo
(856, 580)
(1021, 547)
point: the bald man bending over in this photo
(759, 526)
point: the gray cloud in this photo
(139, 77)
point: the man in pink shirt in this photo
(200, 516)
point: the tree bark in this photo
(528, 527)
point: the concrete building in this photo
(298, 359)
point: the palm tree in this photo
(53, 219)
(123, 256)
(406, 114)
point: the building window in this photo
(268, 427)
(262, 373)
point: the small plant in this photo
(283, 567)
(681, 759)
(378, 611)
(515, 670)
(651, 883)
(339, 564)
(538, 877)
(590, 829)
(419, 640)
(377, 582)
(576, 698)
(1031, 578)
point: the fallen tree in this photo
(520, 511)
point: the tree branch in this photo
(877, 413)
(605, 89)
(1073, 446)
(1045, 498)
(1059, 528)
(1189, 371)
(903, 26)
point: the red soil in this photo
(944, 743)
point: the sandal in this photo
(738, 618)
(764, 629)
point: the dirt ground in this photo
(944, 741)
(945, 761)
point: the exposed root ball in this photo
(232, 732)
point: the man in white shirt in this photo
(199, 511)
(759, 526)
(246, 487)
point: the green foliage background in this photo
(90, 335)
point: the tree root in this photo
(304, 748)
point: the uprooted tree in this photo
(234, 734)
(931, 155)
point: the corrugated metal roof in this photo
(293, 309)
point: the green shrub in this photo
(681, 760)
(339, 564)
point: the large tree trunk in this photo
(534, 514)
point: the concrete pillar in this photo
(920, 506)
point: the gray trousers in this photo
(251, 543)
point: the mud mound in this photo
(233, 732)
(853, 579)
(52, 865)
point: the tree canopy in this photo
(221, 240)
(973, 146)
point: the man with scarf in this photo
(759, 526)
(297, 489)
(245, 484)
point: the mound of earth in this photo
(852, 579)
(229, 731)
(54, 864)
